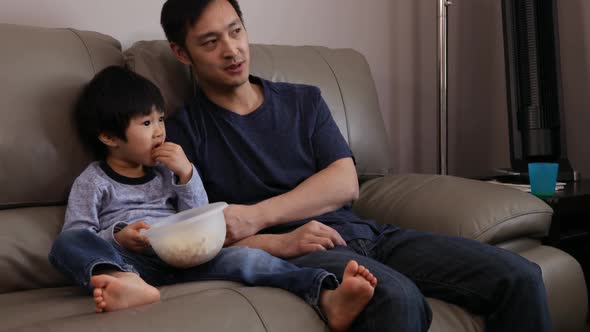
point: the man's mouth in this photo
(234, 68)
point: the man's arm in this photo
(325, 191)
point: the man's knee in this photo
(526, 273)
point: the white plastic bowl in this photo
(191, 237)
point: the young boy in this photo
(140, 178)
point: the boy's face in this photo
(144, 134)
(217, 47)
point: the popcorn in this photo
(183, 252)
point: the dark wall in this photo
(478, 130)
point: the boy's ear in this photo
(108, 140)
(180, 53)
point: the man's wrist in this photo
(274, 245)
(264, 215)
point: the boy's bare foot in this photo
(342, 305)
(121, 290)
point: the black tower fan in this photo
(531, 49)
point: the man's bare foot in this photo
(121, 290)
(342, 305)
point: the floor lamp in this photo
(442, 63)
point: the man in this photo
(273, 151)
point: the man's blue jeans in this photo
(78, 252)
(409, 265)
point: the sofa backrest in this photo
(42, 72)
(343, 76)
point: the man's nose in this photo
(230, 48)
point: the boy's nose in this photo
(159, 131)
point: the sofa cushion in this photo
(195, 306)
(343, 75)
(449, 317)
(456, 206)
(26, 236)
(43, 71)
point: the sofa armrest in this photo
(456, 206)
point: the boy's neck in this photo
(241, 100)
(125, 168)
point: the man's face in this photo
(217, 45)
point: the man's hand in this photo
(240, 222)
(174, 158)
(130, 237)
(313, 236)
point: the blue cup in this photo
(543, 177)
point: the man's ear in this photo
(108, 140)
(180, 53)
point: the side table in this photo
(570, 224)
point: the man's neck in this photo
(242, 100)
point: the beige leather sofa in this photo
(41, 74)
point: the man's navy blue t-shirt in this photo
(245, 159)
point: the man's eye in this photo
(210, 42)
(147, 123)
(237, 31)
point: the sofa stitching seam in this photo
(86, 47)
(252, 305)
(228, 289)
(509, 218)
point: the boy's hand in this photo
(173, 157)
(130, 238)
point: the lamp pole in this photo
(442, 63)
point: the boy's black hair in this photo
(109, 101)
(179, 15)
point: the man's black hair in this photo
(112, 98)
(179, 15)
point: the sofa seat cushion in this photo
(196, 306)
(449, 317)
(216, 305)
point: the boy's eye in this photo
(147, 122)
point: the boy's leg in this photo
(397, 304)
(96, 265)
(256, 267)
(338, 305)
(503, 286)
(78, 252)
